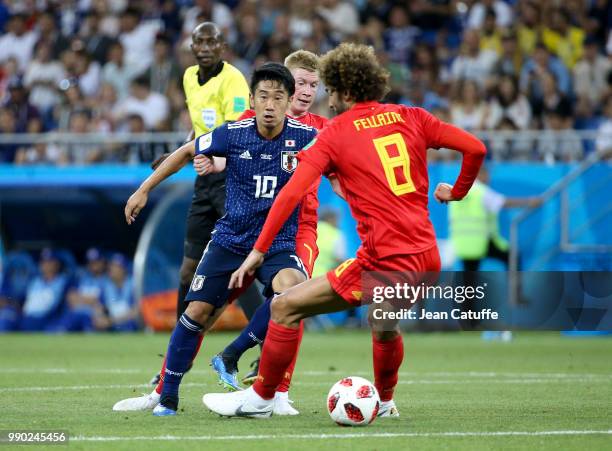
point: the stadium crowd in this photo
(104, 66)
(57, 295)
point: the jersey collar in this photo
(216, 71)
(368, 104)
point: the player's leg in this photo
(307, 299)
(207, 297)
(280, 272)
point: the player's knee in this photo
(198, 312)
(282, 311)
(286, 279)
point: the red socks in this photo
(160, 384)
(280, 349)
(387, 357)
(286, 382)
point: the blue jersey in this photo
(256, 170)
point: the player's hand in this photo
(135, 203)
(253, 261)
(159, 160)
(443, 193)
(203, 165)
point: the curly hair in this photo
(355, 70)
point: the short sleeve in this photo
(213, 143)
(319, 153)
(492, 200)
(235, 97)
(430, 126)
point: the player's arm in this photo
(441, 134)
(161, 158)
(175, 161)
(285, 203)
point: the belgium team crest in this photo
(289, 160)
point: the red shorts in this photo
(346, 279)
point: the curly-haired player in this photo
(369, 144)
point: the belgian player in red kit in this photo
(378, 153)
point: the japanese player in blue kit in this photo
(260, 159)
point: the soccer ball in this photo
(353, 401)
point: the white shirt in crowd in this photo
(20, 47)
(503, 14)
(43, 96)
(138, 45)
(153, 109)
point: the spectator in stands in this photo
(590, 73)
(72, 99)
(97, 43)
(490, 37)
(564, 39)
(552, 99)
(473, 63)
(46, 27)
(18, 102)
(400, 36)
(44, 303)
(82, 153)
(535, 69)
(322, 40)
(138, 39)
(558, 141)
(210, 11)
(341, 16)
(42, 78)
(116, 73)
(8, 124)
(105, 104)
(510, 61)
(250, 42)
(152, 106)
(84, 297)
(17, 42)
(508, 102)
(85, 71)
(121, 307)
(40, 152)
(163, 70)
(529, 26)
(300, 21)
(9, 70)
(468, 110)
(503, 13)
(603, 143)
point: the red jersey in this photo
(388, 199)
(379, 154)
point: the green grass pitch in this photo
(540, 391)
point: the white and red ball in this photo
(353, 401)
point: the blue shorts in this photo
(217, 264)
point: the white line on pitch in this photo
(319, 373)
(341, 436)
(301, 383)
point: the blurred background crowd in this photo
(85, 66)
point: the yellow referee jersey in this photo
(221, 99)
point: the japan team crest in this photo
(197, 283)
(289, 160)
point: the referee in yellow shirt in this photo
(216, 92)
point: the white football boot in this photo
(388, 409)
(282, 405)
(144, 402)
(245, 403)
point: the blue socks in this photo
(253, 334)
(182, 346)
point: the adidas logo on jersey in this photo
(246, 155)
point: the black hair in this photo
(273, 72)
